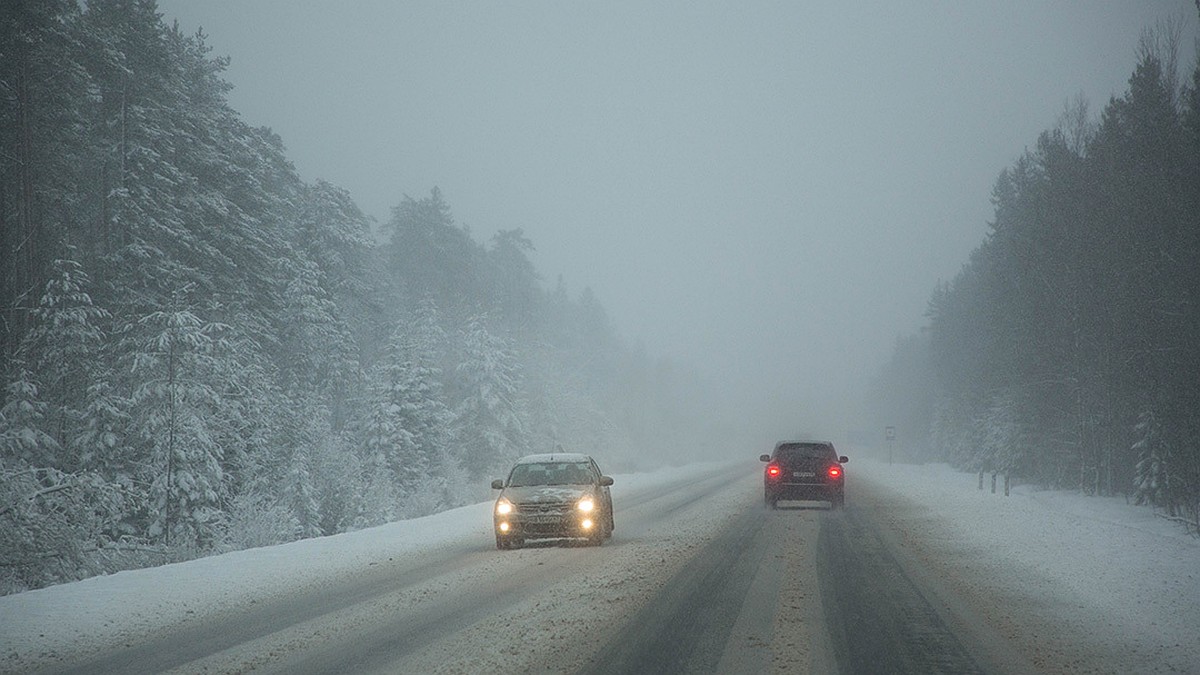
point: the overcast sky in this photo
(767, 191)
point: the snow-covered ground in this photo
(1084, 584)
(1094, 573)
(42, 626)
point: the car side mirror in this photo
(497, 484)
(605, 481)
(764, 458)
(843, 459)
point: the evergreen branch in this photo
(1193, 525)
(40, 493)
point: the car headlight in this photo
(586, 505)
(503, 507)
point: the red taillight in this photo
(773, 470)
(835, 471)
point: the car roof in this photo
(783, 443)
(554, 457)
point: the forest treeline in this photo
(1066, 352)
(203, 352)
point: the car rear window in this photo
(805, 451)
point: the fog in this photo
(767, 194)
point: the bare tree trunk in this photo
(170, 433)
(25, 242)
(8, 280)
(122, 149)
(105, 228)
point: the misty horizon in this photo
(768, 195)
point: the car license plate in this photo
(804, 474)
(542, 520)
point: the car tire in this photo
(772, 503)
(597, 537)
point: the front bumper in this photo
(547, 526)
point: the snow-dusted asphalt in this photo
(920, 573)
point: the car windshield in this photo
(551, 473)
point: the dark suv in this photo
(553, 496)
(808, 470)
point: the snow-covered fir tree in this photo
(65, 345)
(23, 438)
(1153, 477)
(490, 425)
(176, 406)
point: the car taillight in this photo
(835, 471)
(773, 470)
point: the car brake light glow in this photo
(773, 470)
(835, 472)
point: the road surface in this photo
(699, 577)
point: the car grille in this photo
(543, 509)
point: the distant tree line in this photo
(1067, 350)
(202, 352)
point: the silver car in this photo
(553, 496)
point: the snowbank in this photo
(1089, 584)
(86, 616)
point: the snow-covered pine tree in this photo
(1003, 433)
(389, 446)
(175, 409)
(563, 411)
(431, 257)
(53, 525)
(65, 347)
(425, 414)
(23, 436)
(301, 494)
(1152, 477)
(514, 280)
(379, 497)
(335, 235)
(42, 134)
(337, 475)
(99, 443)
(248, 425)
(316, 349)
(490, 425)
(51, 521)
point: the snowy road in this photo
(804, 589)
(463, 607)
(699, 577)
(730, 586)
